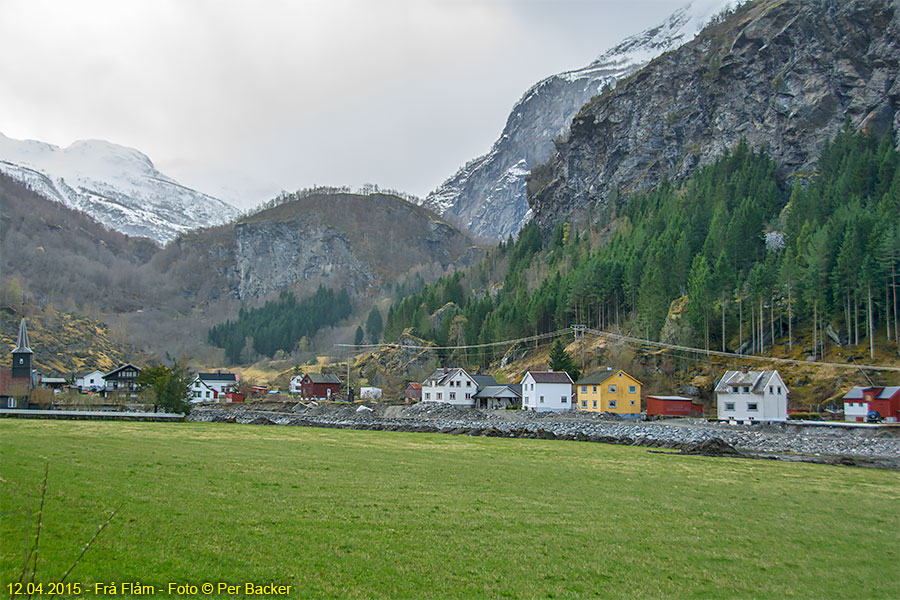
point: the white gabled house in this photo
(88, 382)
(296, 384)
(212, 387)
(453, 386)
(751, 396)
(547, 391)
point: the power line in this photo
(644, 342)
(629, 339)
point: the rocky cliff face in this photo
(783, 74)
(359, 242)
(488, 194)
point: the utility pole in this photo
(579, 336)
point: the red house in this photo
(859, 401)
(673, 406)
(319, 386)
(413, 392)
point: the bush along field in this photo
(359, 514)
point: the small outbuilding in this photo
(413, 392)
(673, 406)
(319, 386)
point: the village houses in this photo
(547, 391)
(751, 396)
(607, 390)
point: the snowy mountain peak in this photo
(488, 193)
(118, 186)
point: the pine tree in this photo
(560, 360)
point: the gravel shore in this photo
(862, 446)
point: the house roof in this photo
(883, 393)
(672, 398)
(121, 368)
(56, 380)
(322, 378)
(601, 375)
(484, 380)
(498, 391)
(414, 385)
(443, 375)
(550, 377)
(217, 376)
(756, 380)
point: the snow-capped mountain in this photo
(488, 193)
(117, 186)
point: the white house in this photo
(212, 387)
(751, 396)
(547, 391)
(90, 381)
(294, 387)
(370, 393)
(453, 386)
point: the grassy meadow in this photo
(361, 514)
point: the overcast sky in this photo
(259, 96)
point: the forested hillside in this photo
(750, 257)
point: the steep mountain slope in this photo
(488, 193)
(360, 242)
(782, 74)
(117, 186)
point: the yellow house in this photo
(609, 391)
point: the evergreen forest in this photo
(279, 324)
(734, 258)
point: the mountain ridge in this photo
(488, 194)
(118, 186)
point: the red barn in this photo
(413, 392)
(319, 386)
(673, 406)
(860, 400)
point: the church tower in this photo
(22, 356)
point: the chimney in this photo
(744, 369)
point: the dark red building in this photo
(673, 406)
(413, 392)
(859, 401)
(319, 386)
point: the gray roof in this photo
(322, 378)
(598, 376)
(672, 398)
(550, 377)
(497, 391)
(857, 392)
(756, 380)
(483, 381)
(217, 376)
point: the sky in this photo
(242, 99)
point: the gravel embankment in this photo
(863, 446)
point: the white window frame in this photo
(612, 388)
(632, 389)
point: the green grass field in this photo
(363, 514)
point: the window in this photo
(595, 389)
(564, 400)
(612, 389)
(746, 389)
(468, 395)
(584, 404)
(612, 403)
(734, 389)
(428, 395)
(468, 384)
(542, 399)
(752, 406)
(207, 393)
(595, 404)
(453, 395)
(620, 374)
(729, 406)
(632, 402)
(439, 396)
(779, 389)
(632, 389)
(584, 389)
(21, 361)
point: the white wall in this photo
(854, 409)
(557, 396)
